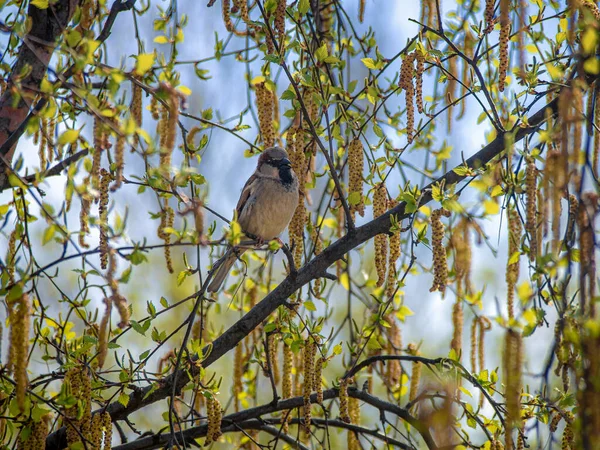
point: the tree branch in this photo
(313, 269)
(247, 419)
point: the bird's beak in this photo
(285, 163)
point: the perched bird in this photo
(265, 207)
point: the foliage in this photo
(304, 345)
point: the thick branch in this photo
(314, 269)
(236, 421)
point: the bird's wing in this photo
(245, 195)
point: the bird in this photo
(265, 208)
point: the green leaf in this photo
(137, 327)
(321, 53)
(40, 4)
(161, 40)
(68, 137)
(303, 6)
(309, 305)
(123, 399)
(143, 63)
(369, 63)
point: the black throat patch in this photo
(285, 174)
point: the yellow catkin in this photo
(512, 364)
(50, 131)
(568, 438)
(450, 92)
(107, 425)
(484, 325)
(531, 209)
(394, 241)
(103, 217)
(79, 420)
(415, 374)
(394, 369)
(166, 221)
(505, 26)
(273, 356)
(136, 104)
(36, 440)
(280, 24)
(474, 328)
(122, 306)
(457, 324)
(11, 254)
(318, 379)
(103, 333)
(554, 422)
(419, 80)
(95, 437)
(586, 221)
(355, 177)
(264, 104)
(296, 230)
(596, 150)
(215, 415)
(226, 10)
(440, 265)
(100, 144)
(286, 382)
(19, 311)
(361, 11)
(344, 410)
(380, 201)
(170, 126)
(354, 413)
(119, 162)
(308, 356)
(461, 243)
(512, 267)
(42, 147)
(317, 249)
(84, 214)
(406, 83)
(238, 372)
(428, 12)
(489, 15)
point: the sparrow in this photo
(265, 208)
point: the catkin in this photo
(461, 243)
(238, 369)
(394, 241)
(169, 127)
(596, 149)
(318, 248)
(280, 24)
(36, 440)
(451, 88)
(531, 213)
(103, 217)
(457, 324)
(355, 177)
(380, 199)
(19, 312)
(505, 26)
(273, 359)
(394, 369)
(354, 413)
(489, 16)
(215, 415)
(318, 379)
(264, 104)
(11, 255)
(440, 266)
(406, 83)
(119, 162)
(78, 424)
(103, 334)
(42, 147)
(419, 80)
(166, 221)
(286, 383)
(308, 356)
(344, 411)
(415, 374)
(512, 269)
(512, 364)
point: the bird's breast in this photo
(270, 208)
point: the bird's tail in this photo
(223, 269)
